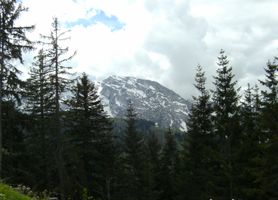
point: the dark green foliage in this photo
(269, 117)
(227, 128)
(250, 111)
(13, 42)
(92, 141)
(56, 57)
(198, 153)
(40, 105)
(251, 150)
(133, 158)
(269, 101)
(13, 38)
(168, 170)
(38, 89)
(14, 150)
(153, 151)
(142, 125)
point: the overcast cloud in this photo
(163, 40)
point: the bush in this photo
(7, 193)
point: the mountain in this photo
(151, 100)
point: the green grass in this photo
(7, 193)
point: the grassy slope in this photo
(6, 193)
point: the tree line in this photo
(56, 137)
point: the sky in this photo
(162, 40)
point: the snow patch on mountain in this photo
(151, 100)
(183, 126)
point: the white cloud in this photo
(165, 40)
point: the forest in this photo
(56, 139)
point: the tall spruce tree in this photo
(269, 124)
(199, 145)
(57, 57)
(227, 128)
(269, 101)
(168, 171)
(153, 150)
(133, 158)
(39, 92)
(251, 156)
(92, 140)
(40, 106)
(13, 41)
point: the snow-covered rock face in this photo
(151, 101)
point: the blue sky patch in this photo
(111, 21)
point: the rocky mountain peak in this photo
(151, 100)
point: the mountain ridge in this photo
(151, 100)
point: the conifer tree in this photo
(227, 128)
(39, 92)
(269, 101)
(105, 161)
(57, 57)
(13, 42)
(92, 139)
(133, 158)
(153, 149)
(269, 124)
(40, 105)
(251, 159)
(168, 171)
(248, 110)
(199, 147)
